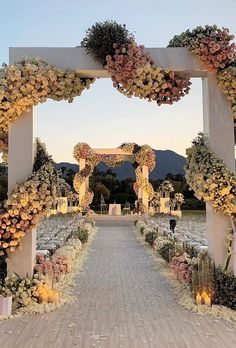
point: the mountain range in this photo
(167, 161)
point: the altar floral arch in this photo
(29, 82)
(142, 157)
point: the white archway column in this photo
(218, 125)
(145, 174)
(20, 165)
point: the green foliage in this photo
(225, 288)
(165, 251)
(141, 230)
(42, 157)
(3, 188)
(101, 36)
(150, 237)
(99, 190)
(189, 37)
(82, 234)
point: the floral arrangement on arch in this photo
(131, 68)
(210, 178)
(134, 73)
(139, 155)
(214, 48)
(29, 202)
(30, 82)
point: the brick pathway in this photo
(123, 302)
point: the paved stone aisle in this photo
(123, 302)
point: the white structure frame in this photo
(217, 124)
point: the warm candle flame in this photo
(203, 298)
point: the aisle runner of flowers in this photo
(53, 281)
(199, 286)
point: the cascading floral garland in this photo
(131, 68)
(133, 71)
(140, 156)
(210, 178)
(31, 82)
(29, 202)
(212, 46)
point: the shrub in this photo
(82, 234)
(89, 222)
(101, 37)
(225, 288)
(141, 225)
(164, 251)
(150, 237)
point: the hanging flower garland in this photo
(211, 45)
(214, 48)
(31, 82)
(227, 81)
(209, 178)
(132, 70)
(143, 155)
(134, 74)
(29, 202)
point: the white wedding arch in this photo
(217, 124)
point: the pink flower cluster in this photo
(215, 50)
(182, 269)
(52, 267)
(147, 158)
(82, 150)
(134, 74)
(125, 63)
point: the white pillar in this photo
(218, 125)
(82, 188)
(144, 192)
(20, 164)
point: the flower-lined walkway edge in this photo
(210, 179)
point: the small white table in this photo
(114, 209)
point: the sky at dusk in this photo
(103, 117)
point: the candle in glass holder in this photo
(198, 298)
(207, 301)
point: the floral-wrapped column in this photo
(20, 165)
(145, 195)
(84, 185)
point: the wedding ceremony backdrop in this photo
(156, 74)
